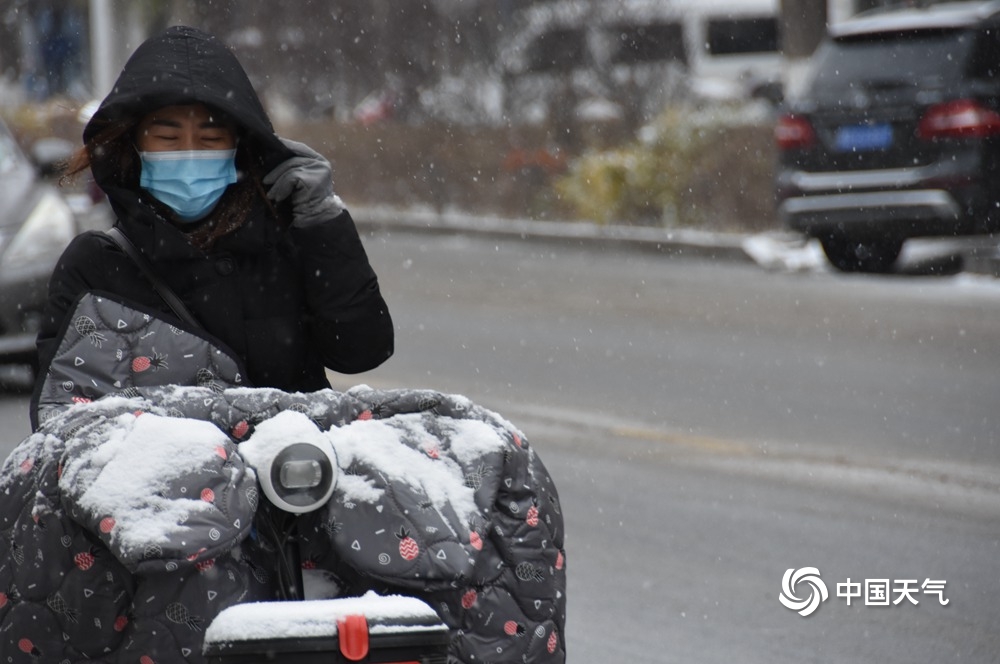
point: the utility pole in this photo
(803, 25)
(102, 60)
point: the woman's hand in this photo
(307, 181)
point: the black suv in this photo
(897, 134)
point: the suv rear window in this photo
(732, 36)
(890, 60)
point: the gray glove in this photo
(307, 181)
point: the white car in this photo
(36, 224)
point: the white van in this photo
(641, 54)
(733, 47)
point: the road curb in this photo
(733, 247)
(679, 242)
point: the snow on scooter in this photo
(131, 521)
(297, 478)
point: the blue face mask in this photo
(190, 182)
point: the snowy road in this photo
(712, 425)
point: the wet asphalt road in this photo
(711, 425)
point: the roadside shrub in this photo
(691, 167)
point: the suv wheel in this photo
(854, 255)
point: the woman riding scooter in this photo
(232, 243)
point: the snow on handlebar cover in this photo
(294, 461)
(148, 497)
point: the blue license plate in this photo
(863, 137)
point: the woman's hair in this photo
(113, 151)
(115, 139)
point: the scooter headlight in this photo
(301, 477)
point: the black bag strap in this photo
(161, 288)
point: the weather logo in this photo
(807, 581)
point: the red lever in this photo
(352, 632)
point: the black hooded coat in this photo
(286, 301)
